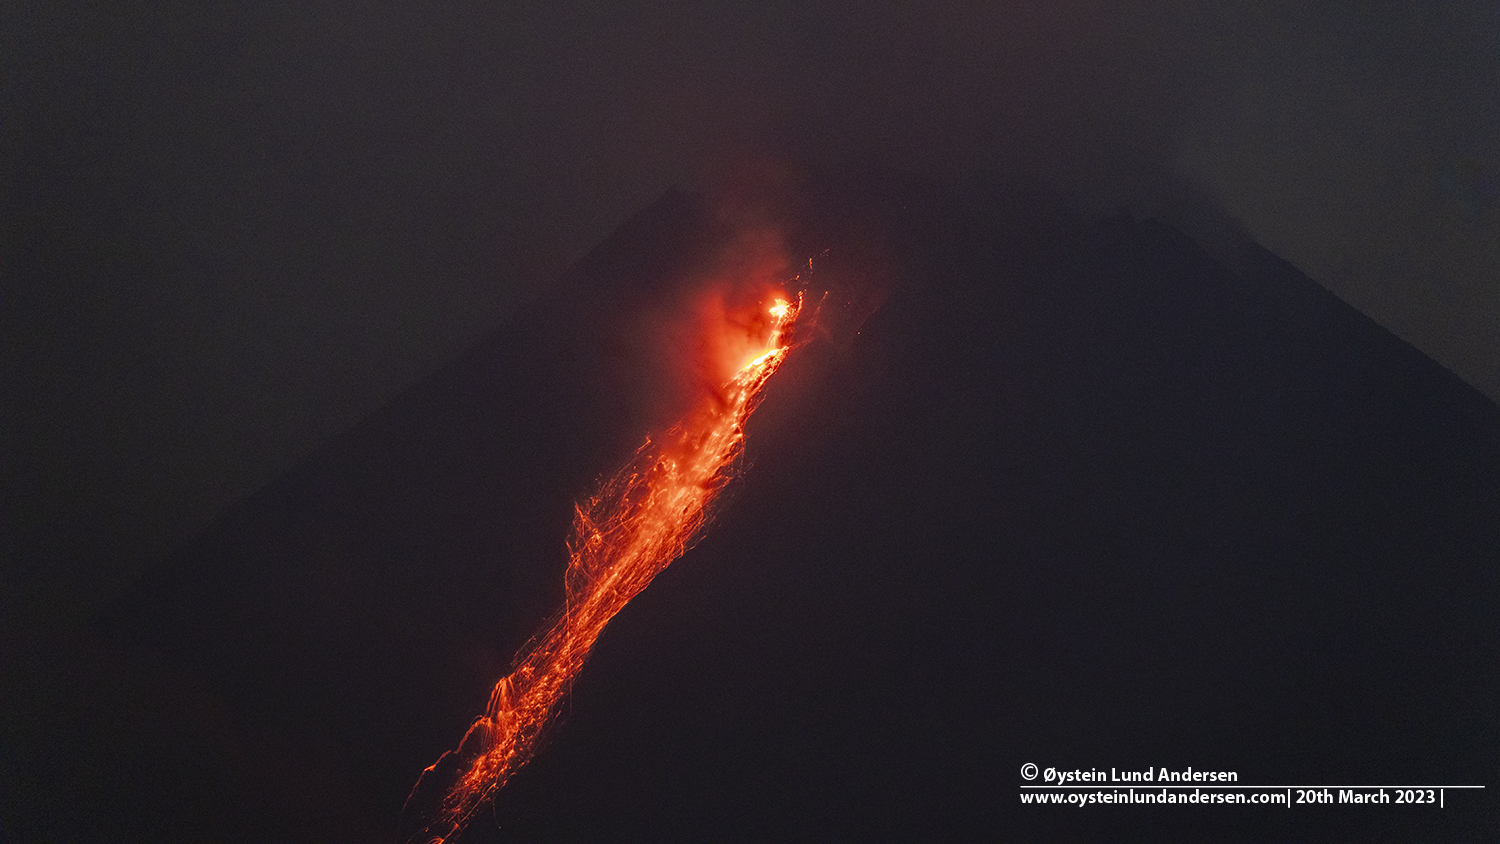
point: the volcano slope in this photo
(1043, 487)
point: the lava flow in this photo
(640, 520)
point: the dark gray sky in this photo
(230, 232)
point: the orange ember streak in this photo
(638, 522)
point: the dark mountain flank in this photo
(1076, 493)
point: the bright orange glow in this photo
(639, 521)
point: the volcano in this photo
(1046, 487)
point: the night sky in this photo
(228, 235)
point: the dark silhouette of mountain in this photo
(1077, 494)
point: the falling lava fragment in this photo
(640, 520)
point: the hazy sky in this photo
(229, 232)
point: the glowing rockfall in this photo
(639, 521)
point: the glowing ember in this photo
(638, 522)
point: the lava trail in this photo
(639, 521)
